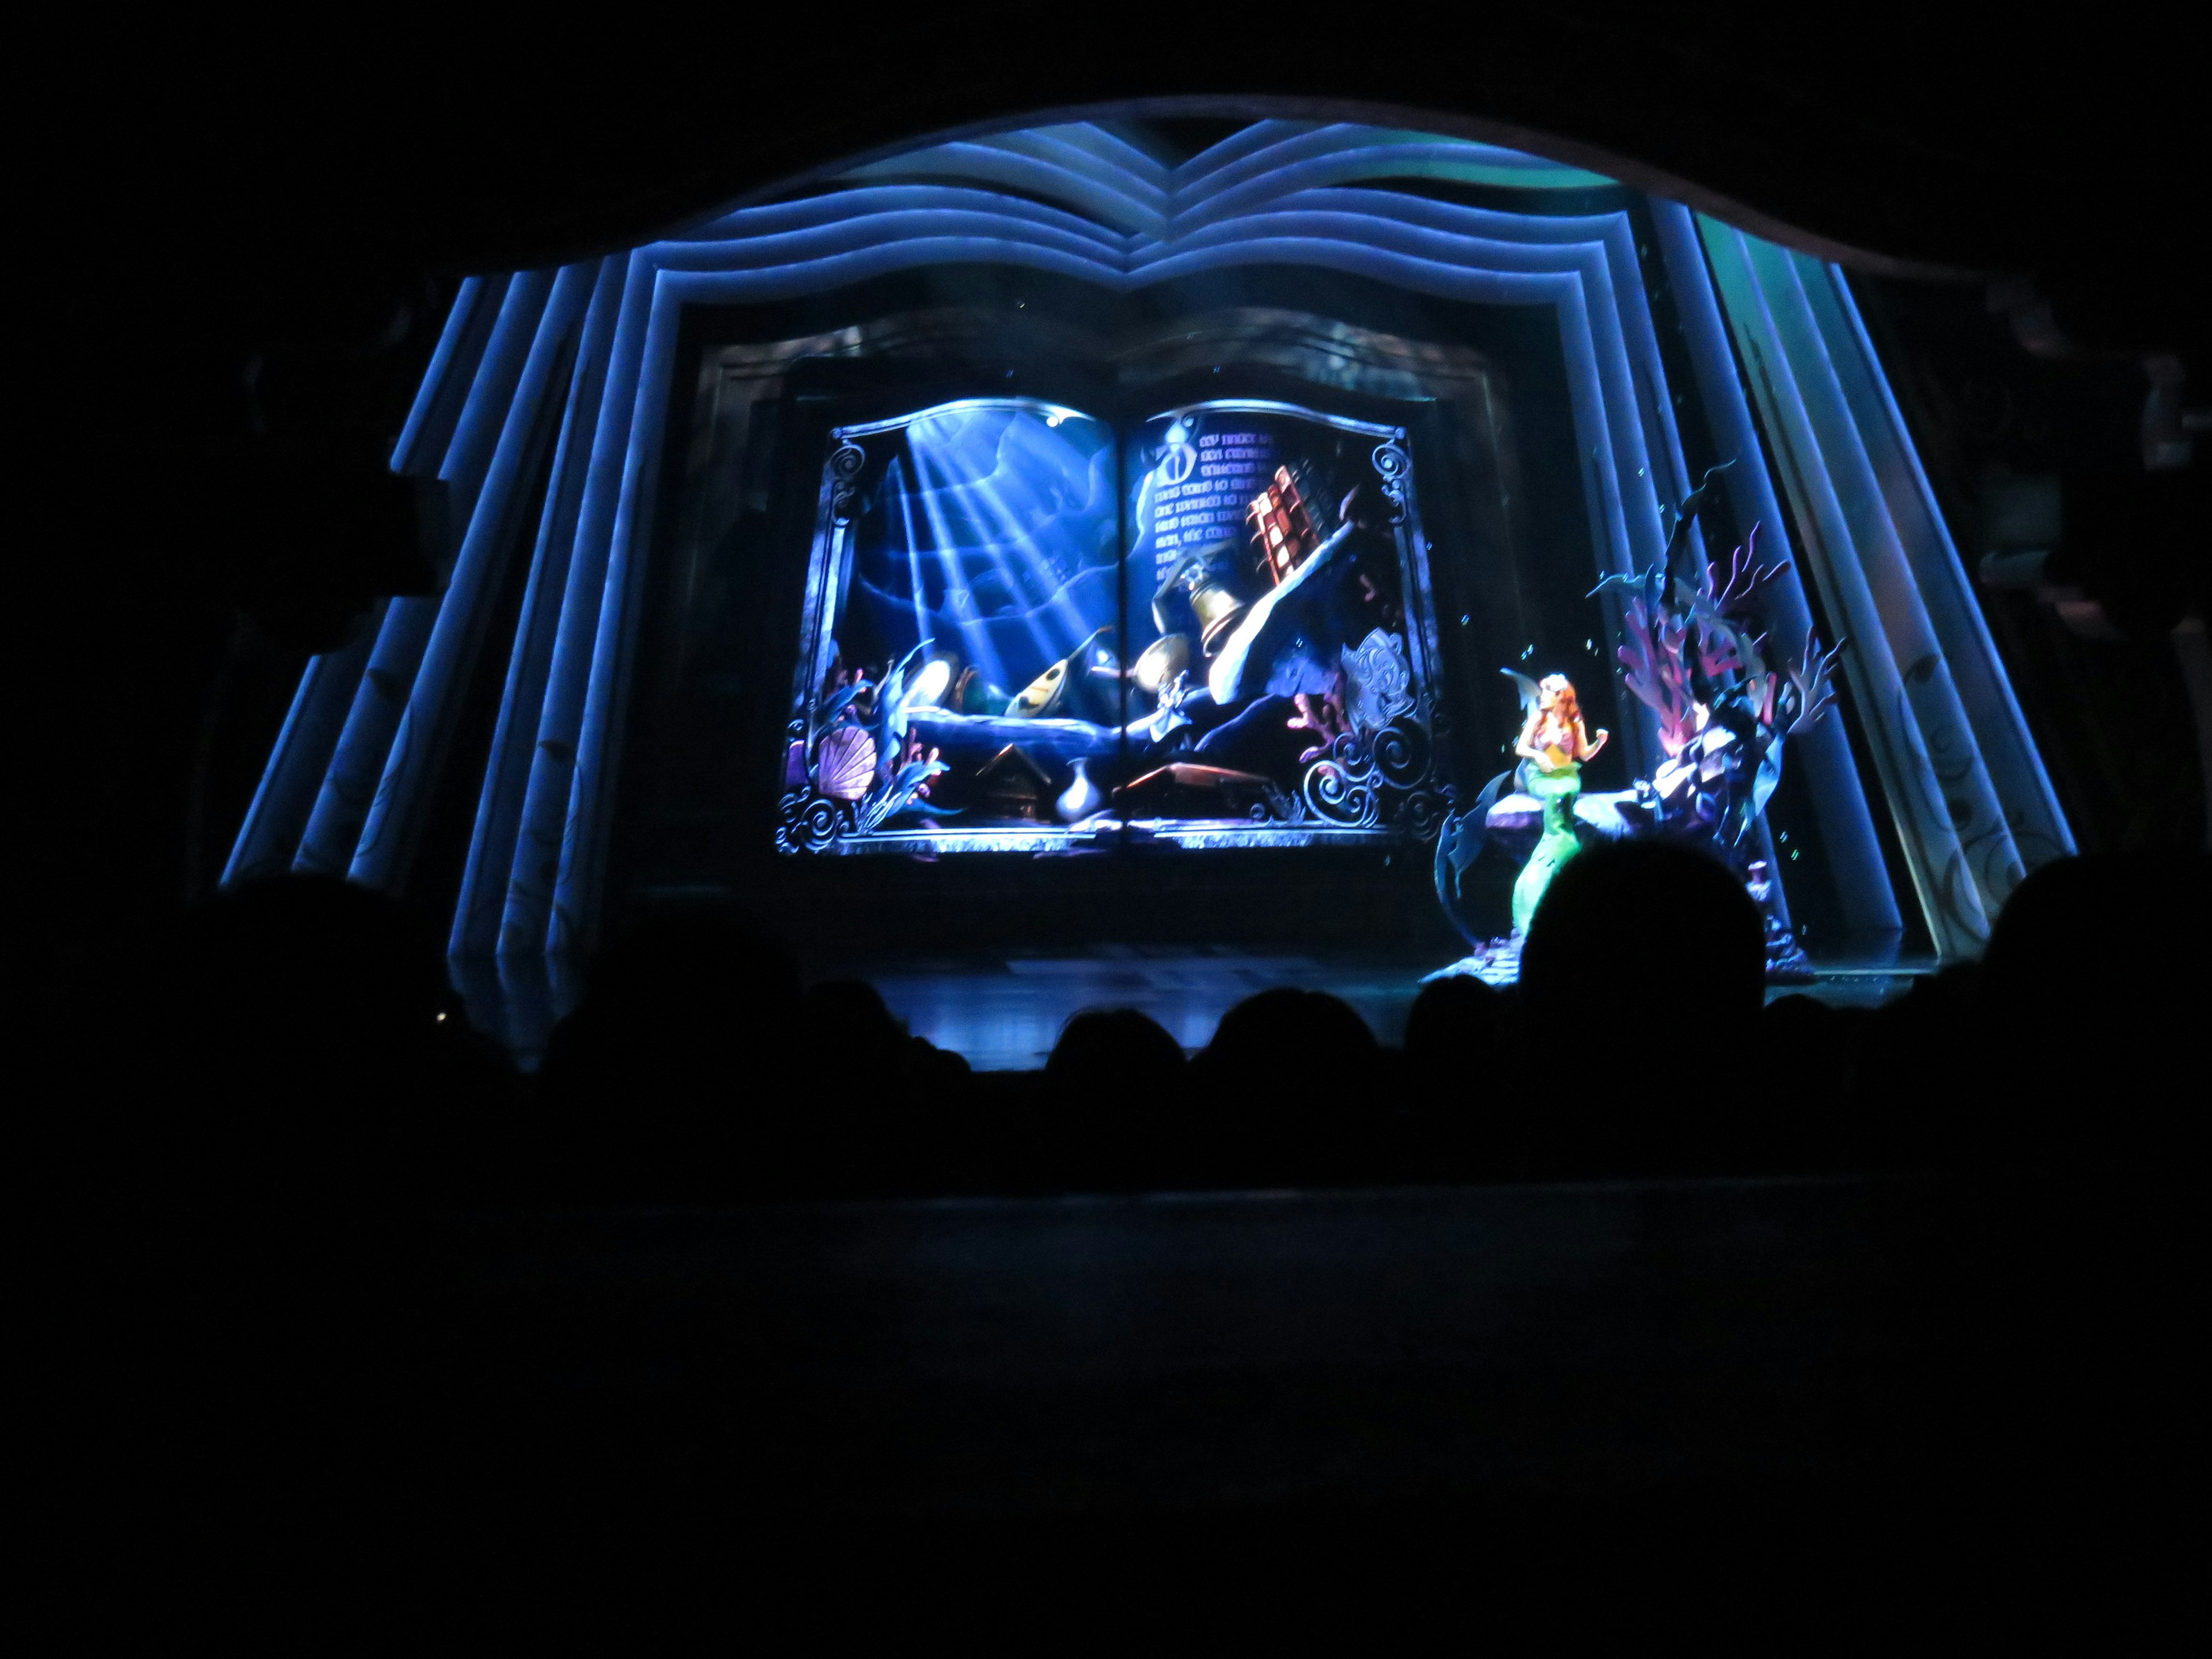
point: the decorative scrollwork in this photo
(1278, 805)
(809, 822)
(845, 465)
(1340, 788)
(1342, 794)
(1401, 753)
(1421, 814)
(1395, 467)
(1370, 779)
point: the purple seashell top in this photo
(845, 765)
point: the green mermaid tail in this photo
(1558, 844)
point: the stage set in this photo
(1046, 570)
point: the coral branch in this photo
(1747, 577)
(1656, 676)
(1814, 680)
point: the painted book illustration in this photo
(1025, 629)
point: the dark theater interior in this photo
(1209, 822)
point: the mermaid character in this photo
(1555, 745)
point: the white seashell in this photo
(845, 765)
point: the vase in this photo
(1080, 799)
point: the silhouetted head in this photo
(1648, 924)
(678, 1008)
(684, 965)
(2094, 989)
(1287, 1030)
(1117, 1050)
(1456, 1021)
(853, 1004)
(846, 1024)
(2115, 938)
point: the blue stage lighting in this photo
(585, 359)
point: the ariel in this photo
(1555, 744)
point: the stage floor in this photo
(1005, 1012)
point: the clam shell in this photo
(845, 765)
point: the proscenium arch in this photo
(576, 360)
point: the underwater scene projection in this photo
(1026, 627)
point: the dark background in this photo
(243, 238)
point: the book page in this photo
(962, 605)
(1020, 639)
(1281, 549)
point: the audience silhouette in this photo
(1460, 1102)
(306, 1047)
(1294, 1090)
(1652, 940)
(674, 1076)
(2094, 993)
(1116, 1081)
(1642, 926)
(308, 1068)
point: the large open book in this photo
(1025, 629)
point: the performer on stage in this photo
(1555, 744)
